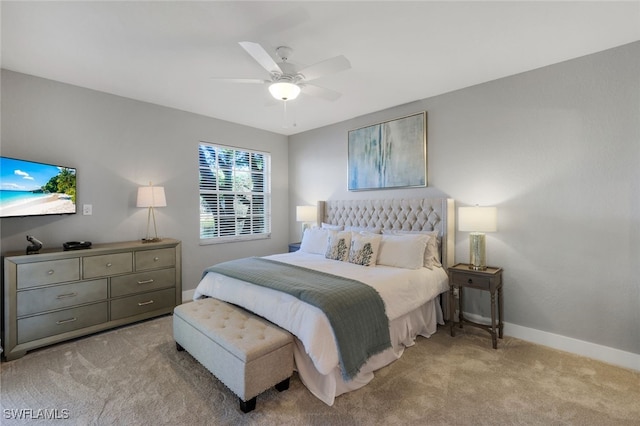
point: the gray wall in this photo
(557, 150)
(118, 144)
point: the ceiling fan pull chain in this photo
(284, 114)
(285, 120)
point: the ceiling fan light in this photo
(284, 91)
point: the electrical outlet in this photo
(87, 209)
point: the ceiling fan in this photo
(286, 82)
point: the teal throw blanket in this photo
(355, 310)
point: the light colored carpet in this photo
(135, 376)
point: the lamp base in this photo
(151, 240)
(477, 268)
(477, 253)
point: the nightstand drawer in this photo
(61, 296)
(145, 281)
(50, 272)
(108, 264)
(471, 281)
(154, 259)
(142, 303)
(46, 325)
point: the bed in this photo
(409, 290)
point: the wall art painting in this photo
(392, 154)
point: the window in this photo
(235, 194)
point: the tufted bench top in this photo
(241, 333)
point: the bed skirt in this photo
(404, 330)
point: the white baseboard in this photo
(567, 344)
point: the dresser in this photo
(58, 295)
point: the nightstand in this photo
(490, 280)
(294, 247)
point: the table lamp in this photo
(477, 220)
(306, 215)
(151, 197)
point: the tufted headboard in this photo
(418, 214)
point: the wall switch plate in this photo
(87, 209)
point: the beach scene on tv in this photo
(33, 189)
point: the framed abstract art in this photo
(391, 154)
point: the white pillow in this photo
(364, 248)
(314, 240)
(338, 247)
(431, 253)
(373, 230)
(403, 251)
(332, 227)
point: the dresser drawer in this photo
(107, 264)
(61, 296)
(49, 272)
(472, 281)
(142, 303)
(144, 281)
(154, 259)
(40, 326)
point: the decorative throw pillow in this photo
(432, 253)
(403, 251)
(314, 240)
(338, 247)
(364, 248)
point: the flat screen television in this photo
(28, 188)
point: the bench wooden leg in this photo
(246, 406)
(283, 385)
(179, 347)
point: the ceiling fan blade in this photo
(261, 56)
(329, 66)
(241, 80)
(320, 92)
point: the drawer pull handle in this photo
(148, 302)
(155, 259)
(64, 296)
(66, 321)
(50, 271)
(470, 281)
(146, 281)
(109, 265)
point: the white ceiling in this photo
(169, 53)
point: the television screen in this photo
(28, 188)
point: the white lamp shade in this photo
(478, 219)
(306, 213)
(151, 196)
(284, 91)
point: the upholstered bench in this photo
(245, 352)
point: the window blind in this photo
(235, 194)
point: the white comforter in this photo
(402, 290)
